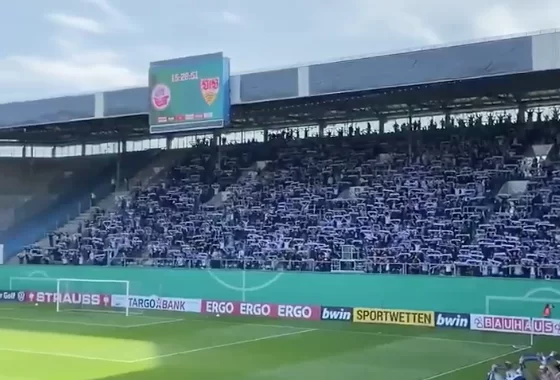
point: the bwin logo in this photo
(452, 320)
(330, 313)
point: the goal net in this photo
(527, 307)
(522, 306)
(77, 294)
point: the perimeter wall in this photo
(519, 297)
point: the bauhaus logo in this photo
(456, 320)
(336, 313)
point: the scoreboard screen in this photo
(189, 93)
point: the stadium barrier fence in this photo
(432, 319)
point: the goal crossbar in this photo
(92, 280)
(32, 279)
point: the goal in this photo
(526, 306)
(92, 295)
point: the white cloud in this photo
(79, 74)
(501, 19)
(231, 18)
(224, 17)
(396, 19)
(253, 34)
(496, 20)
(63, 43)
(119, 20)
(152, 53)
(76, 22)
(72, 68)
(72, 65)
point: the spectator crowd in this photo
(470, 198)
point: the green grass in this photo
(36, 343)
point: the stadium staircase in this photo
(67, 217)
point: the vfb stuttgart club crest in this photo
(210, 88)
(161, 97)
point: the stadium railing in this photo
(546, 271)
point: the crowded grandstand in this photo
(480, 197)
(447, 170)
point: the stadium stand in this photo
(29, 186)
(454, 195)
(63, 190)
(481, 198)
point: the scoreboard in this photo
(189, 93)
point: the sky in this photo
(64, 47)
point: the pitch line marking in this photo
(62, 355)
(355, 332)
(475, 364)
(208, 348)
(153, 323)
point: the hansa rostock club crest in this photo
(161, 97)
(210, 87)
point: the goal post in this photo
(521, 306)
(91, 295)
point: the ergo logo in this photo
(219, 307)
(260, 309)
(295, 311)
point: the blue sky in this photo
(60, 47)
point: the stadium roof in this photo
(488, 74)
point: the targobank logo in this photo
(335, 313)
(458, 320)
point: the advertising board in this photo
(154, 302)
(479, 295)
(91, 299)
(517, 325)
(306, 312)
(394, 317)
(12, 296)
(336, 313)
(454, 320)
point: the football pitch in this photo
(37, 343)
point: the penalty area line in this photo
(60, 322)
(61, 355)
(474, 364)
(208, 348)
(153, 323)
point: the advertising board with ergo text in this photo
(269, 310)
(394, 317)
